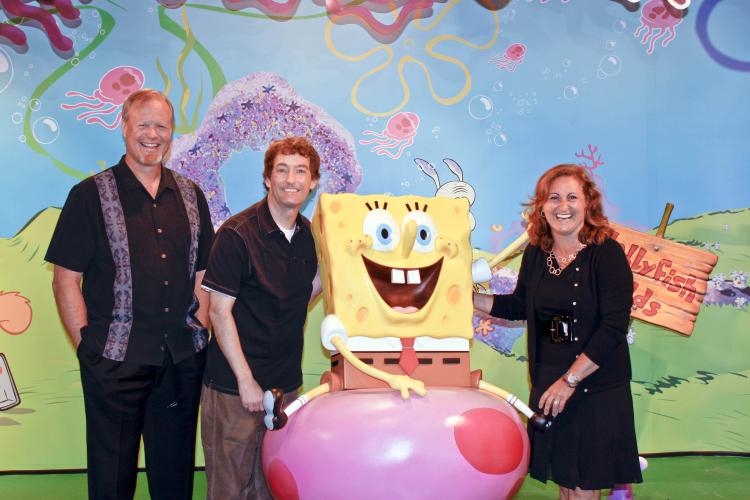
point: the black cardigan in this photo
(603, 301)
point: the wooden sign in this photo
(670, 279)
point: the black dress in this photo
(592, 443)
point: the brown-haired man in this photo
(261, 275)
(137, 235)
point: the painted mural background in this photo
(454, 97)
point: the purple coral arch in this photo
(250, 113)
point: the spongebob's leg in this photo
(276, 417)
(539, 422)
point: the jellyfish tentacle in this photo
(110, 126)
(658, 32)
(671, 35)
(82, 104)
(75, 93)
(107, 111)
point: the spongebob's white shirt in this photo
(360, 343)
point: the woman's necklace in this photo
(564, 261)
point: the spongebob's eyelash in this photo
(416, 207)
(385, 205)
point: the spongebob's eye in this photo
(426, 231)
(381, 226)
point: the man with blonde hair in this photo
(129, 250)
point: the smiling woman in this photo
(575, 291)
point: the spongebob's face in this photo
(396, 266)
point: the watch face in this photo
(572, 379)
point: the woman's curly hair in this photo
(596, 225)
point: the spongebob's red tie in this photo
(408, 360)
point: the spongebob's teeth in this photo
(412, 277)
(397, 276)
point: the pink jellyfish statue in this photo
(398, 135)
(657, 20)
(512, 57)
(114, 87)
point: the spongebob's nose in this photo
(407, 239)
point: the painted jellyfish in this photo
(512, 57)
(398, 135)
(114, 87)
(657, 21)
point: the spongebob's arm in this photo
(333, 336)
(539, 422)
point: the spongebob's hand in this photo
(404, 383)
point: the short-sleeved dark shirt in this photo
(271, 280)
(159, 243)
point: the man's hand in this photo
(66, 286)
(251, 395)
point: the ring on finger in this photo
(554, 402)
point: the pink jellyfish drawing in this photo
(657, 20)
(114, 87)
(511, 59)
(398, 135)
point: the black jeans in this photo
(125, 401)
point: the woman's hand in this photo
(555, 398)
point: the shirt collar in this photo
(268, 225)
(128, 181)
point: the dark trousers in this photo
(125, 401)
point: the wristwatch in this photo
(571, 379)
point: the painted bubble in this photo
(16, 118)
(4, 62)
(497, 86)
(45, 130)
(609, 66)
(480, 107)
(6, 70)
(35, 104)
(610, 45)
(571, 92)
(21, 138)
(620, 26)
(500, 140)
